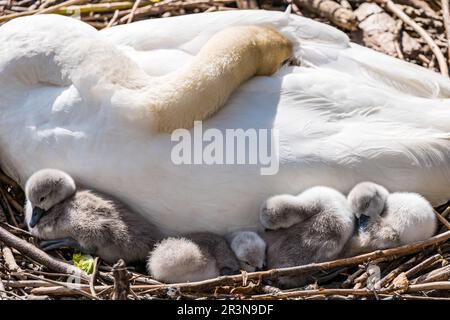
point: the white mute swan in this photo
(347, 115)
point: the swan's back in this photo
(347, 115)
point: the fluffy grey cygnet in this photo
(311, 227)
(401, 219)
(193, 257)
(63, 216)
(250, 250)
(200, 256)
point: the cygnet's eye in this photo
(366, 205)
(41, 199)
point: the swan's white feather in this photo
(347, 115)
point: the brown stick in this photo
(167, 5)
(444, 285)
(434, 275)
(2, 216)
(333, 11)
(325, 292)
(8, 208)
(354, 292)
(136, 4)
(7, 180)
(64, 291)
(394, 273)
(420, 4)
(410, 297)
(27, 284)
(351, 278)
(446, 16)
(392, 7)
(446, 212)
(13, 202)
(422, 266)
(442, 219)
(10, 261)
(3, 295)
(379, 255)
(94, 277)
(39, 256)
(113, 19)
(67, 286)
(121, 281)
(40, 11)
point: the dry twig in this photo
(392, 7)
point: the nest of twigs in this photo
(417, 271)
(413, 30)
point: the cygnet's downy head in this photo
(368, 199)
(46, 188)
(250, 249)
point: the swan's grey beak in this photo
(36, 216)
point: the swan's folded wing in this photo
(317, 45)
(190, 32)
(380, 70)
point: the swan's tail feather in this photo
(391, 73)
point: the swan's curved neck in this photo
(227, 60)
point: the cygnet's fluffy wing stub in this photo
(283, 211)
(120, 232)
(411, 216)
(180, 260)
(321, 237)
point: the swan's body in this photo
(311, 227)
(66, 217)
(348, 115)
(404, 218)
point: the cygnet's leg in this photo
(53, 244)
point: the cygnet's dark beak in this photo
(36, 216)
(363, 221)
